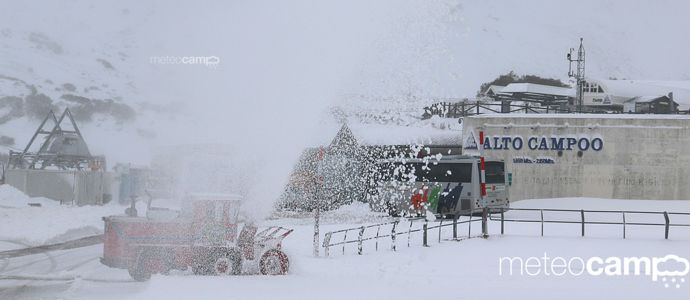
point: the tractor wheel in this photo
(217, 262)
(148, 262)
(228, 263)
(274, 262)
(202, 263)
(199, 268)
(139, 273)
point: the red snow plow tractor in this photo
(203, 236)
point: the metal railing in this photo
(583, 220)
(392, 231)
(463, 109)
(470, 108)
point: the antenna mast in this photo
(579, 73)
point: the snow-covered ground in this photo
(467, 269)
(51, 222)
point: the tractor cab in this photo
(215, 218)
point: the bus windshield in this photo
(495, 172)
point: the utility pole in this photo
(579, 73)
(482, 188)
(317, 201)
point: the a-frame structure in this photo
(62, 148)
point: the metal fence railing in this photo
(582, 218)
(391, 230)
(470, 108)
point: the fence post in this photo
(485, 223)
(327, 243)
(377, 237)
(477, 107)
(409, 232)
(463, 108)
(469, 225)
(502, 220)
(623, 225)
(344, 239)
(541, 211)
(667, 224)
(455, 227)
(359, 240)
(440, 226)
(393, 234)
(582, 217)
(424, 234)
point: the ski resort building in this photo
(628, 96)
(622, 156)
(625, 94)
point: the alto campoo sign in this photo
(557, 143)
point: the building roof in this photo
(533, 88)
(427, 134)
(649, 88)
(494, 89)
(644, 99)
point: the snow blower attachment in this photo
(204, 237)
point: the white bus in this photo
(446, 187)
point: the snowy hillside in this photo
(285, 67)
(88, 55)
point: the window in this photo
(444, 172)
(592, 88)
(440, 172)
(495, 172)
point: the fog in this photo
(280, 70)
(282, 65)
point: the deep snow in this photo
(466, 269)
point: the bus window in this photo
(494, 172)
(461, 172)
(444, 172)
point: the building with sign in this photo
(603, 156)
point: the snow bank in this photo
(10, 197)
(50, 223)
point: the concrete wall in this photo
(635, 156)
(68, 187)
